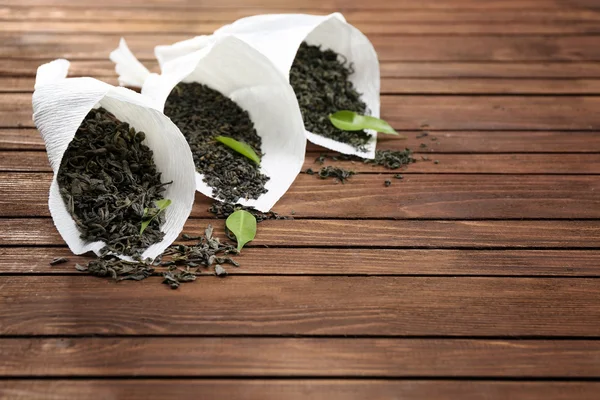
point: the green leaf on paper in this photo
(152, 213)
(243, 225)
(240, 147)
(351, 121)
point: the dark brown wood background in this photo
(473, 278)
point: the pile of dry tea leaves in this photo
(224, 210)
(320, 80)
(183, 262)
(107, 178)
(201, 114)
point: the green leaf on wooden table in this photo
(150, 214)
(240, 147)
(351, 121)
(243, 225)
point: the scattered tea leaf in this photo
(220, 271)
(241, 147)
(150, 214)
(340, 174)
(351, 121)
(387, 182)
(243, 225)
(184, 263)
(59, 260)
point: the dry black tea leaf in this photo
(335, 172)
(220, 271)
(59, 260)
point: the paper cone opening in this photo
(59, 109)
(241, 73)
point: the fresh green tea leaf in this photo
(243, 225)
(240, 147)
(161, 205)
(351, 121)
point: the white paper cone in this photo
(241, 73)
(59, 107)
(278, 37)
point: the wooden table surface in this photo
(476, 277)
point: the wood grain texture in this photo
(73, 305)
(450, 283)
(409, 48)
(293, 389)
(552, 164)
(98, 14)
(365, 196)
(199, 27)
(430, 112)
(315, 305)
(489, 142)
(329, 4)
(351, 262)
(351, 233)
(297, 357)
(102, 67)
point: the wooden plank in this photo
(299, 305)
(200, 27)
(431, 112)
(416, 86)
(389, 69)
(448, 142)
(559, 164)
(533, 70)
(148, 357)
(294, 389)
(97, 14)
(365, 196)
(409, 48)
(329, 4)
(349, 262)
(361, 233)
